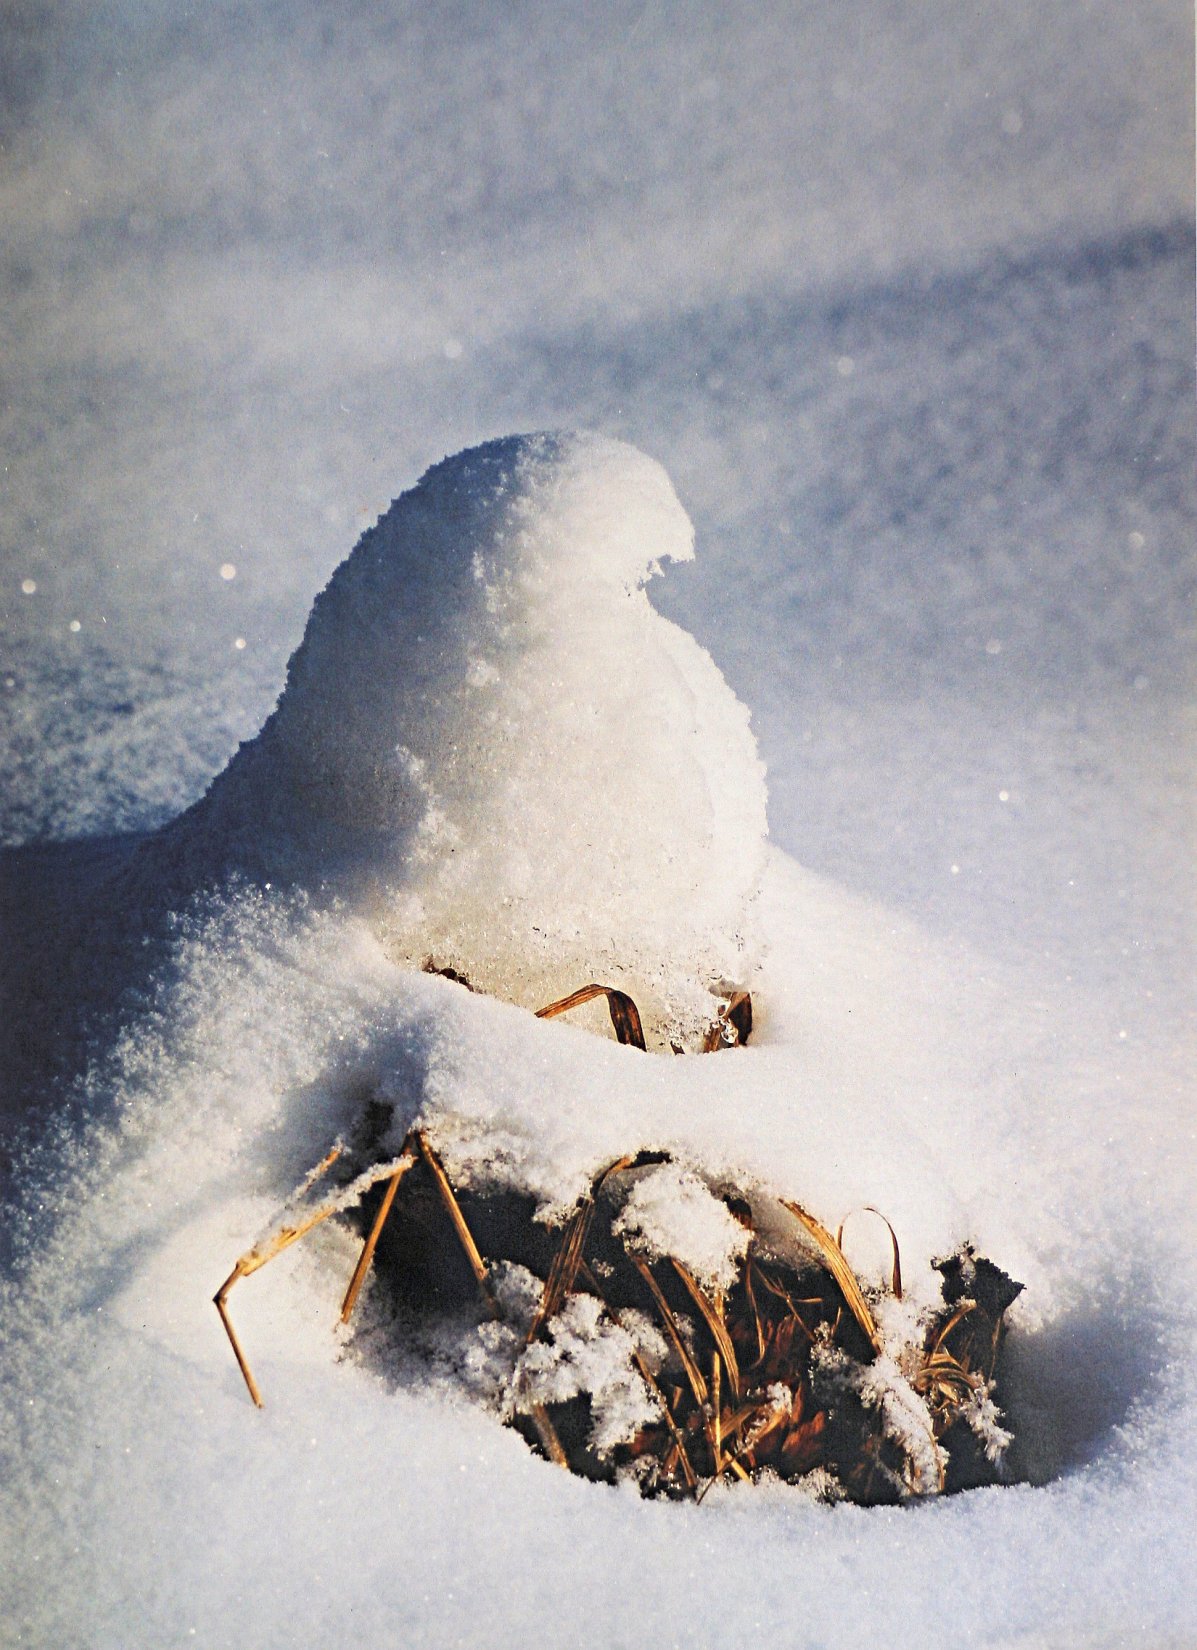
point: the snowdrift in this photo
(491, 752)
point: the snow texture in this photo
(903, 306)
(671, 1213)
(490, 742)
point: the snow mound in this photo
(491, 744)
(482, 717)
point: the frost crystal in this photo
(586, 1351)
(881, 1385)
(984, 1417)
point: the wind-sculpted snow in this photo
(491, 744)
(483, 693)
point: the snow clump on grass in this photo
(492, 745)
(671, 1213)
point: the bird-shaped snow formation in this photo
(492, 744)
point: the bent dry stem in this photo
(625, 1018)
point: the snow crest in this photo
(492, 745)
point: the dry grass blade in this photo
(465, 1236)
(750, 1296)
(693, 1374)
(406, 1162)
(791, 1304)
(649, 1378)
(943, 1376)
(716, 1412)
(625, 1016)
(550, 1442)
(838, 1266)
(322, 1168)
(720, 1463)
(895, 1281)
(715, 1323)
(735, 1420)
(679, 1443)
(782, 1417)
(960, 1313)
(563, 1273)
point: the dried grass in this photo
(768, 1403)
(790, 1347)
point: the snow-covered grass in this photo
(904, 308)
(883, 1071)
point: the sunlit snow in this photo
(491, 742)
(901, 308)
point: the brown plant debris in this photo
(623, 1361)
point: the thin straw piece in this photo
(693, 1374)
(547, 1433)
(625, 1016)
(674, 1432)
(715, 1324)
(257, 1257)
(465, 1236)
(406, 1162)
(566, 1262)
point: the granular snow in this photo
(492, 745)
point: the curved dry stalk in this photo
(896, 1271)
(962, 1311)
(625, 1016)
(838, 1266)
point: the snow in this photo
(671, 1213)
(587, 1352)
(491, 742)
(903, 309)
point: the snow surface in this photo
(490, 742)
(903, 303)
